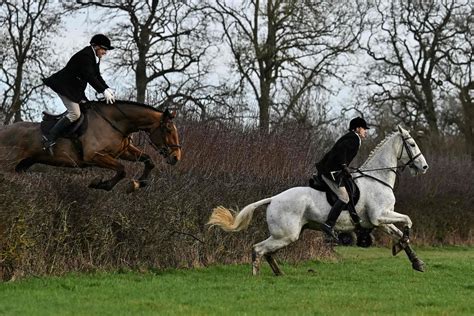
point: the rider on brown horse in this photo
(334, 171)
(70, 84)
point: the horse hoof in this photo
(255, 272)
(95, 183)
(134, 185)
(418, 265)
(143, 183)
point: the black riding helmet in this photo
(357, 122)
(101, 40)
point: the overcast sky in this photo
(82, 25)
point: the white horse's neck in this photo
(384, 155)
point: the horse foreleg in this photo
(396, 235)
(403, 243)
(416, 262)
(108, 162)
(134, 154)
(392, 217)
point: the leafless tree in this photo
(458, 72)
(406, 40)
(162, 43)
(284, 49)
(26, 27)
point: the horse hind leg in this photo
(273, 264)
(24, 164)
(267, 248)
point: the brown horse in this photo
(105, 140)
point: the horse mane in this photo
(126, 102)
(379, 145)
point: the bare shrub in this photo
(51, 223)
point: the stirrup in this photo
(48, 144)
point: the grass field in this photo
(356, 282)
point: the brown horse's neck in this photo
(130, 118)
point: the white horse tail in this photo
(224, 218)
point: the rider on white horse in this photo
(334, 170)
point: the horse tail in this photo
(225, 219)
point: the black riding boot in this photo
(50, 140)
(354, 216)
(332, 218)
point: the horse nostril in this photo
(425, 167)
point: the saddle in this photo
(317, 183)
(75, 130)
(364, 236)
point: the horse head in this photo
(164, 135)
(410, 154)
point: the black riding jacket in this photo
(72, 80)
(342, 153)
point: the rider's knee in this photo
(73, 116)
(344, 198)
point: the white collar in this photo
(96, 58)
(360, 140)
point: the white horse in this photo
(303, 207)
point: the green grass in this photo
(358, 282)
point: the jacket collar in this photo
(97, 60)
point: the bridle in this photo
(166, 149)
(410, 163)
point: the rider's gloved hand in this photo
(109, 96)
(346, 171)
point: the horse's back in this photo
(303, 203)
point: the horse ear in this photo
(166, 114)
(401, 129)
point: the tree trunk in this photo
(141, 79)
(15, 109)
(429, 108)
(468, 130)
(264, 111)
